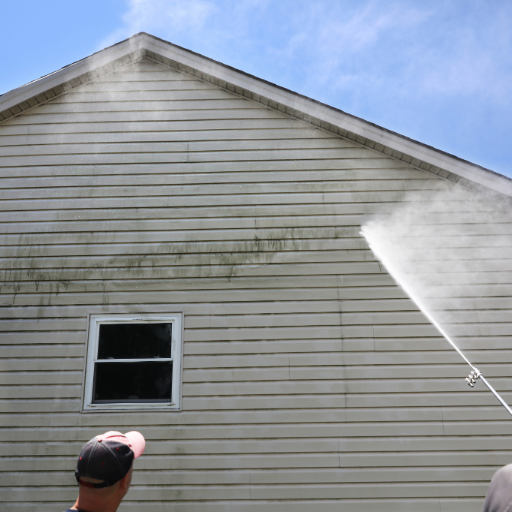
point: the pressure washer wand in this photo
(393, 270)
(475, 375)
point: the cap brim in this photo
(135, 440)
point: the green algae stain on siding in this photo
(30, 267)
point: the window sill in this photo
(130, 407)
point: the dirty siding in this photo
(309, 379)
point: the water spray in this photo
(475, 373)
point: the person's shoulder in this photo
(499, 493)
(503, 472)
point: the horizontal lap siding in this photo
(310, 379)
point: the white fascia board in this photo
(333, 116)
(102, 58)
(267, 90)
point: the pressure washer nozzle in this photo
(473, 377)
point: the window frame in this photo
(95, 321)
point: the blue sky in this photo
(437, 71)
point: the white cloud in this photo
(171, 14)
(397, 48)
(471, 63)
(168, 16)
(366, 27)
(342, 44)
(401, 48)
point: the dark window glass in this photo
(134, 341)
(132, 382)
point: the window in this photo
(133, 362)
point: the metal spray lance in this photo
(475, 373)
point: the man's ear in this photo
(124, 483)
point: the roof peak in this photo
(143, 45)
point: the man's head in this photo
(104, 468)
(108, 458)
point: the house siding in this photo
(310, 380)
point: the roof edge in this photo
(399, 146)
(319, 114)
(71, 71)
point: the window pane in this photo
(134, 341)
(131, 382)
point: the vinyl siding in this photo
(310, 380)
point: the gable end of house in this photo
(144, 46)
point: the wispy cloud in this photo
(366, 26)
(394, 51)
(402, 48)
(170, 16)
(470, 61)
(350, 46)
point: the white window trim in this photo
(176, 355)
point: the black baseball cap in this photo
(108, 457)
